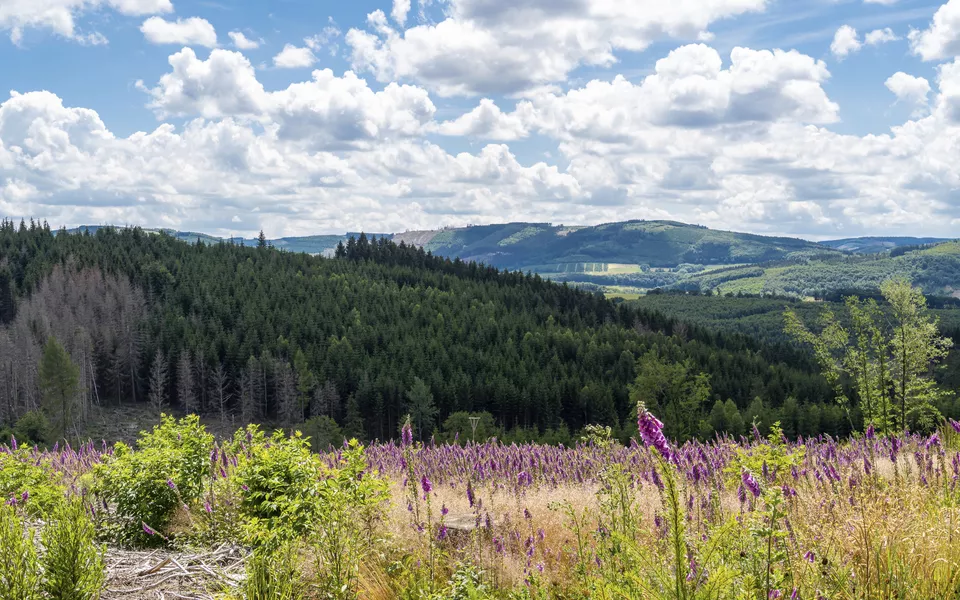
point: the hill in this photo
(282, 336)
(547, 248)
(876, 245)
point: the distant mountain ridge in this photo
(549, 248)
(545, 247)
(878, 244)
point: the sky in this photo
(811, 118)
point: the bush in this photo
(30, 484)
(19, 571)
(32, 428)
(149, 485)
(350, 505)
(322, 432)
(273, 574)
(73, 566)
(279, 482)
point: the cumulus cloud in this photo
(193, 31)
(845, 42)
(942, 38)
(909, 89)
(739, 143)
(880, 36)
(60, 16)
(500, 46)
(241, 42)
(293, 57)
(326, 111)
(400, 10)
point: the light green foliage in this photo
(273, 574)
(672, 389)
(915, 344)
(138, 481)
(888, 362)
(466, 583)
(19, 570)
(20, 473)
(73, 565)
(280, 482)
(59, 384)
(350, 502)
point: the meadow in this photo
(182, 515)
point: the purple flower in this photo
(426, 485)
(442, 534)
(444, 510)
(171, 484)
(470, 497)
(651, 432)
(870, 432)
(750, 483)
(809, 556)
(955, 425)
(25, 496)
(147, 530)
(406, 434)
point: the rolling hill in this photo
(548, 248)
(876, 245)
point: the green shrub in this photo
(32, 428)
(148, 485)
(350, 504)
(73, 566)
(273, 574)
(32, 486)
(279, 479)
(19, 571)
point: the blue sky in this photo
(756, 115)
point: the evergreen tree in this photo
(421, 407)
(261, 240)
(353, 423)
(59, 386)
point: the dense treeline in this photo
(269, 335)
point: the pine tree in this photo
(59, 386)
(423, 411)
(353, 423)
(261, 240)
(158, 382)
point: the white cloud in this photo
(487, 121)
(241, 42)
(193, 31)
(942, 39)
(737, 144)
(292, 57)
(326, 39)
(880, 36)
(400, 10)
(907, 88)
(60, 16)
(500, 46)
(845, 42)
(325, 111)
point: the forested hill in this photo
(385, 329)
(550, 249)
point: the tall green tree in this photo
(423, 411)
(59, 386)
(916, 346)
(673, 388)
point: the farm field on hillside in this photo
(256, 515)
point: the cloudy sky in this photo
(816, 118)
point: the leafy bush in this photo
(32, 428)
(148, 485)
(349, 507)
(19, 571)
(273, 574)
(279, 479)
(73, 566)
(28, 483)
